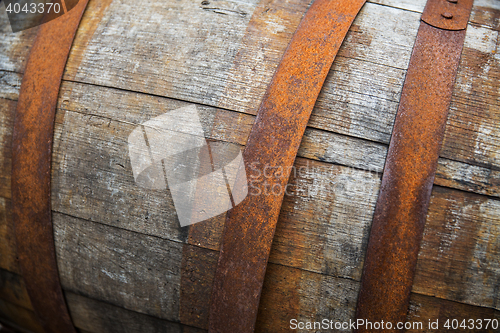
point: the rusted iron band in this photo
(401, 210)
(447, 14)
(31, 160)
(271, 148)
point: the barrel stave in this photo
(319, 246)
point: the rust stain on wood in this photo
(17, 50)
(486, 16)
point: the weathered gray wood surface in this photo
(422, 308)
(458, 258)
(223, 55)
(99, 317)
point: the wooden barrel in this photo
(125, 263)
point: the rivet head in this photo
(447, 15)
(453, 1)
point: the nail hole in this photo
(205, 3)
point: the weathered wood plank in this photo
(467, 177)
(7, 114)
(91, 18)
(99, 317)
(14, 47)
(363, 44)
(486, 13)
(387, 44)
(412, 5)
(20, 316)
(290, 293)
(345, 107)
(93, 180)
(175, 61)
(94, 248)
(266, 37)
(366, 155)
(359, 99)
(10, 83)
(325, 219)
(92, 175)
(459, 257)
(127, 269)
(13, 290)
(8, 250)
(387, 41)
(425, 308)
(473, 128)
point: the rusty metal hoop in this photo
(31, 160)
(273, 144)
(400, 213)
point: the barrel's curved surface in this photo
(125, 263)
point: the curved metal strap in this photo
(401, 210)
(272, 145)
(31, 158)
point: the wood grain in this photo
(138, 272)
(10, 83)
(486, 13)
(459, 256)
(424, 309)
(98, 317)
(122, 245)
(364, 101)
(14, 47)
(92, 180)
(266, 37)
(98, 246)
(290, 293)
(411, 5)
(473, 128)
